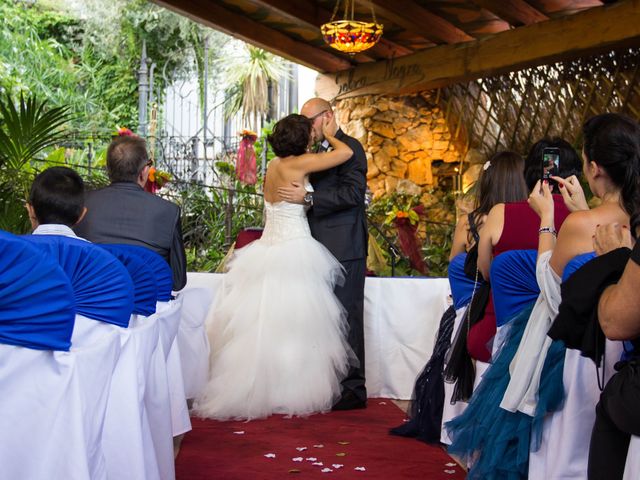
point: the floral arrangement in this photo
(406, 222)
(124, 132)
(157, 178)
(248, 134)
(246, 169)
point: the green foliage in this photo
(27, 130)
(434, 232)
(248, 77)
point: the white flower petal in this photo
(241, 432)
(301, 449)
(450, 464)
(311, 459)
(337, 465)
(320, 464)
(270, 455)
(318, 446)
(450, 471)
(297, 459)
(360, 469)
(326, 470)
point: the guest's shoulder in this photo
(579, 223)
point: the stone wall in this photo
(409, 146)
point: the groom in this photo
(337, 219)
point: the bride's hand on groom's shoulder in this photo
(293, 194)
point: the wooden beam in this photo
(592, 31)
(250, 31)
(418, 20)
(312, 16)
(515, 12)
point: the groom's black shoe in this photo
(349, 401)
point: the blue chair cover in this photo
(513, 283)
(102, 286)
(575, 263)
(145, 292)
(159, 267)
(461, 285)
(36, 299)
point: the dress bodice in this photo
(285, 221)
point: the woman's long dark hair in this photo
(501, 182)
(613, 142)
(570, 161)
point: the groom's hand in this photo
(293, 194)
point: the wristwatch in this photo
(308, 199)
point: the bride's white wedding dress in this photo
(278, 333)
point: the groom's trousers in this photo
(351, 295)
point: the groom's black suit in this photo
(338, 221)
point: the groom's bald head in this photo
(315, 109)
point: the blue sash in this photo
(513, 283)
(36, 299)
(145, 291)
(575, 263)
(102, 286)
(159, 267)
(461, 285)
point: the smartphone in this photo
(550, 163)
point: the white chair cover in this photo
(96, 346)
(632, 467)
(169, 314)
(128, 441)
(41, 424)
(564, 450)
(193, 343)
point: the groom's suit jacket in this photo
(338, 217)
(124, 213)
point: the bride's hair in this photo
(290, 135)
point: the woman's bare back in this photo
(279, 174)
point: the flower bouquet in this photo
(156, 180)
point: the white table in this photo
(401, 317)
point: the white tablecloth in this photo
(401, 317)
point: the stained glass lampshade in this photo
(351, 36)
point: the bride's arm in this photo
(317, 162)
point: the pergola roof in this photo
(471, 34)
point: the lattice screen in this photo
(515, 110)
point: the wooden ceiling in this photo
(424, 33)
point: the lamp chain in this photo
(335, 10)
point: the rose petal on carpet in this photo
(345, 444)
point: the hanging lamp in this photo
(349, 35)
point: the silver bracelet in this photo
(550, 230)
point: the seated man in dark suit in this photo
(124, 213)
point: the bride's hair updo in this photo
(290, 135)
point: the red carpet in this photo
(341, 441)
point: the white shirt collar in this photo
(56, 229)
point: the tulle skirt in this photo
(277, 333)
(493, 441)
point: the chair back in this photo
(103, 289)
(145, 291)
(37, 308)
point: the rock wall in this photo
(409, 146)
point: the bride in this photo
(278, 333)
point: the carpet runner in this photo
(349, 444)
